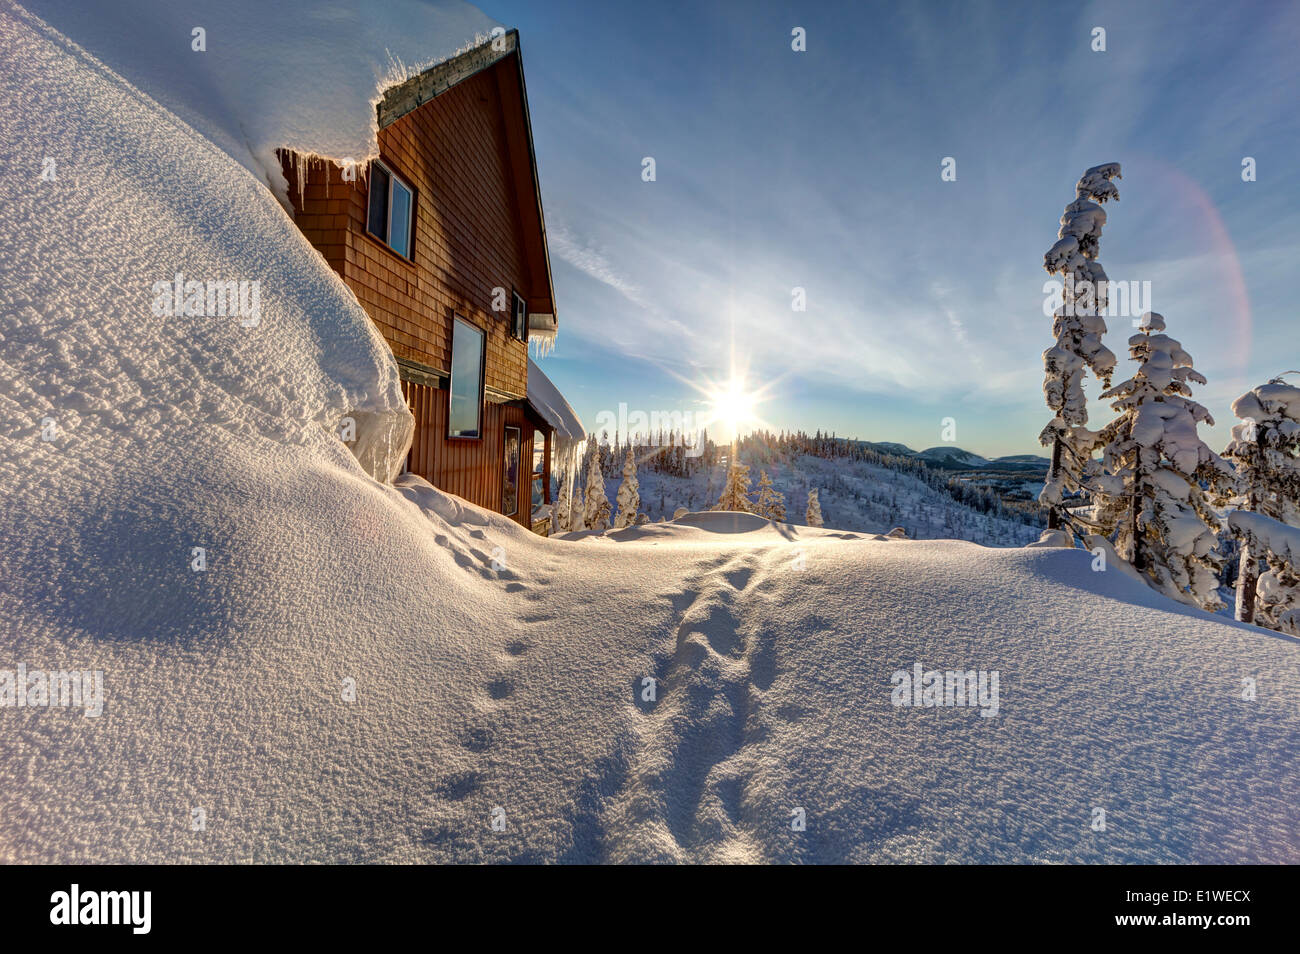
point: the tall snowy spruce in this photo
(629, 494)
(1265, 449)
(596, 511)
(813, 516)
(771, 502)
(1078, 327)
(735, 493)
(1155, 463)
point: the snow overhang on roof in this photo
(415, 92)
(547, 400)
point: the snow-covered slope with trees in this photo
(867, 496)
(359, 671)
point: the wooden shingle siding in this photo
(461, 153)
(467, 237)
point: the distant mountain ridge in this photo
(952, 457)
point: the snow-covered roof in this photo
(550, 403)
(296, 74)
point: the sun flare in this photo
(733, 405)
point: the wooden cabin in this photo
(443, 241)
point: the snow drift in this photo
(357, 671)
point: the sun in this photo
(732, 404)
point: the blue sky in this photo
(821, 169)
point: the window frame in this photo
(517, 303)
(394, 179)
(482, 375)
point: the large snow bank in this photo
(523, 689)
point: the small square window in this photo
(519, 326)
(388, 216)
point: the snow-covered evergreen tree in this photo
(596, 511)
(1265, 449)
(629, 495)
(813, 517)
(1078, 326)
(771, 502)
(735, 493)
(561, 510)
(1277, 546)
(1154, 465)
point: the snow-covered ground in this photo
(371, 672)
(522, 689)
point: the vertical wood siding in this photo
(472, 469)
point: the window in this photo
(389, 216)
(539, 468)
(466, 380)
(519, 327)
(510, 473)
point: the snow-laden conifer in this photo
(735, 493)
(1154, 465)
(596, 510)
(813, 517)
(1277, 588)
(1078, 326)
(1265, 449)
(629, 495)
(561, 513)
(771, 502)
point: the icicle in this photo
(542, 330)
(300, 169)
(542, 343)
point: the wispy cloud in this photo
(592, 262)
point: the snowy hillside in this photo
(303, 662)
(953, 457)
(855, 495)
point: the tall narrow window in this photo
(466, 398)
(510, 473)
(388, 217)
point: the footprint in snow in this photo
(459, 785)
(477, 739)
